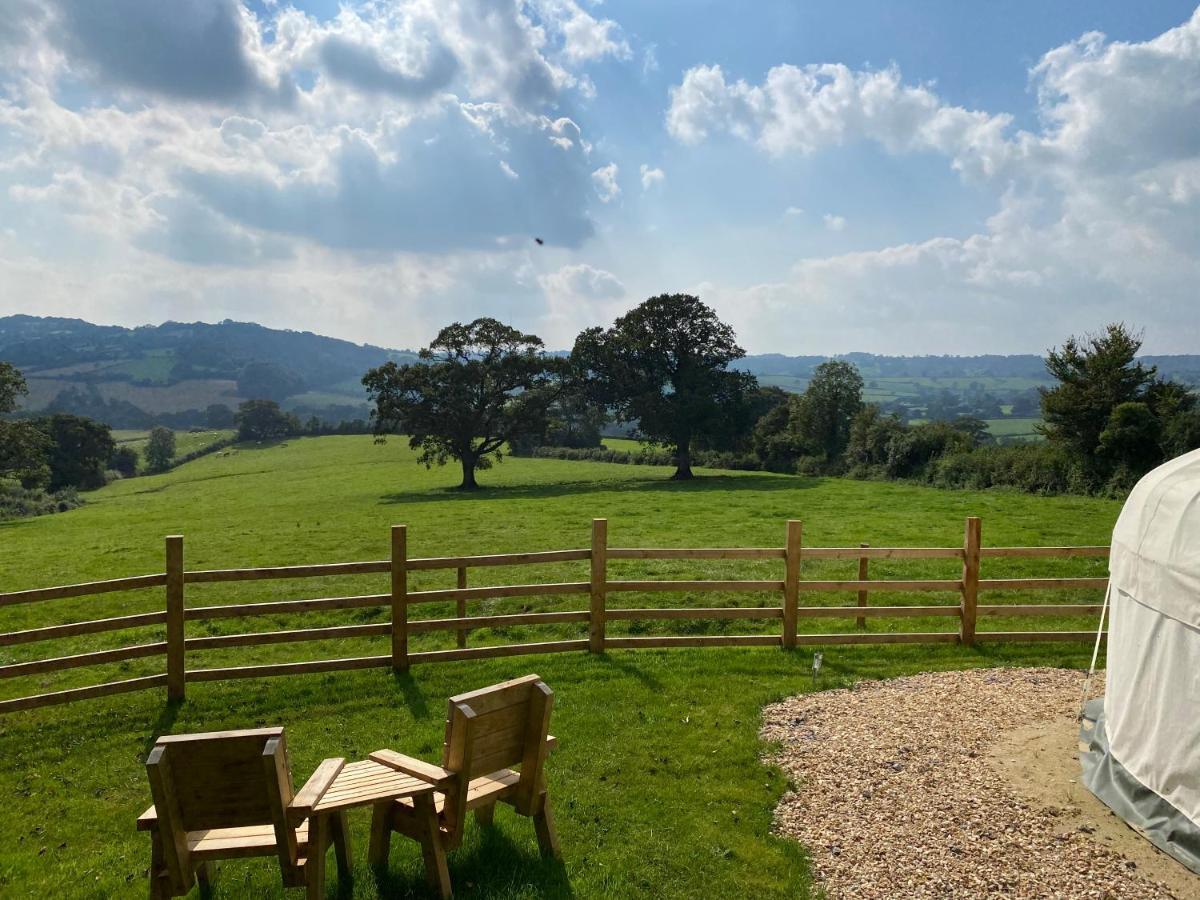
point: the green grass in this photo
(185, 441)
(658, 784)
(1014, 427)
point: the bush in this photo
(17, 502)
(1035, 468)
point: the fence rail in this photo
(399, 600)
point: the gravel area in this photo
(896, 797)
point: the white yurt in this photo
(1140, 743)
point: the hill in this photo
(169, 373)
(134, 377)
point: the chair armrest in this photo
(430, 774)
(148, 820)
(314, 789)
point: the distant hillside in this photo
(132, 377)
(170, 373)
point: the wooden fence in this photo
(401, 601)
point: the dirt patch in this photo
(901, 792)
(1041, 762)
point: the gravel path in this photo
(895, 798)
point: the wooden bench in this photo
(228, 795)
(488, 733)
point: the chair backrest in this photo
(497, 727)
(220, 779)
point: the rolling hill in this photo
(170, 373)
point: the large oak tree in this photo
(665, 366)
(477, 387)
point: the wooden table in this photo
(363, 783)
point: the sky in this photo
(859, 175)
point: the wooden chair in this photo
(488, 732)
(226, 795)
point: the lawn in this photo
(658, 786)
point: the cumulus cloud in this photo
(604, 180)
(363, 68)
(832, 222)
(802, 109)
(189, 49)
(579, 294)
(651, 176)
(1098, 211)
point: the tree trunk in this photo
(468, 468)
(683, 461)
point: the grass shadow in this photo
(621, 663)
(700, 484)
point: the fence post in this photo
(400, 598)
(863, 574)
(460, 604)
(791, 581)
(970, 580)
(599, 585)
(175, 662)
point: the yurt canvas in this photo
(1140, 745)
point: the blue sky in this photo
(899, 178)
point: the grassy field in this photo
(658, 783)
(185, 441)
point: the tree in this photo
(828, 406)
(24, 448)
(218, 415)
(1130, 440)
(263, 420)
(478, 387)
(160, 449)
(79, 450)
(12, 387)
(1095, 374)
(664, 365)
(125, 461)
(1112, 413)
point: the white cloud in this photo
(604, 180)
(651, 177)
(577, 295)
(834, 223)
(805, 109)
(793, 211)
(1098, 216)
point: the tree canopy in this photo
(160, 449)
(665, 366)
(478, 387)
(1110, 412)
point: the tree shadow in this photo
(621, 662)
(698, 485)
(494, 863)
(163, 724)
(414, 697)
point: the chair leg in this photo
(314, 865)
(543, 824)
(381, 833)
(341, 844)
(485, 815)
(436, 870)
(160, 882)
(204, 876)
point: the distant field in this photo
(886, 389)
(1014, 427)
(185, 441)
(659, 788)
